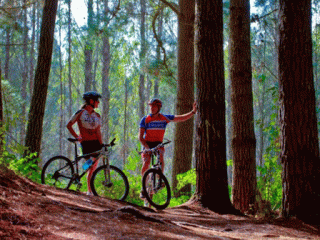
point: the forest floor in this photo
(33, 211)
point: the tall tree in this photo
(39, 96)
(183, 141)
(1, 116)
(142, 56)
(25, 71)
(210, 151)
(88, 48)
(243, 137)
(106, 57)
(298, 122)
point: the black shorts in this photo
(153, 144)
(90, 146)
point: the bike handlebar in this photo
(155, 148)
(74, 140)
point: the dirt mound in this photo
(33, 211)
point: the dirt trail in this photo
(32, 211)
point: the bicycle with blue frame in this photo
(155, 185)
(106, 181)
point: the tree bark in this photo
(210, 152)
(38, 101)
(298, 122)
(243, 137)
(183, 141)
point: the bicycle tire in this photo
(57, 172)
(156, 196)
(118, 189)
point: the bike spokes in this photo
(115, 187)
(57, 172)
(157, 189)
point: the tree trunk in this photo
(32, 52)
(7, 56)
(142, 59)
(243, 137)
(25, 72)
(183, 141)
(105, 86)
(210, 152)
(298, 122)
(1, 117)
(88, 49)
(38, 101)
(70, 112)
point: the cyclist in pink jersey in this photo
(89, 124)
(152, 130)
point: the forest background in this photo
(77, 66)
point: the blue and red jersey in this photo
(155, 127)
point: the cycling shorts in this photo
(90, 146)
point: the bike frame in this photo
(102, 155)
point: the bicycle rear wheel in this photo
(117, 187)
(156, 188)
(57, 172)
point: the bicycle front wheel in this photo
(156, 188)
(115, 187)
(57, 172)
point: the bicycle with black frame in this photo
(106, 181)
(155, 185)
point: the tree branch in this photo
(173, 6)
(159, 40)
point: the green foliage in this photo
(27, 166)
(269, 180)
(184, 179)
(132, 171)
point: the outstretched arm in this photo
(187, 116)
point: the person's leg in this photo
(145, 162)
(89, 147)
(145, 166)
(89, 175)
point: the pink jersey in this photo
(88, 124)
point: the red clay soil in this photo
(33, 211)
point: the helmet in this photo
(91, 95)
(155, 101)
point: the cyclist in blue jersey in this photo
(152, 130)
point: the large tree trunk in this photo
(183, 141)
(38, 101)
(243, 138)
(299, 135)
(210, 153)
